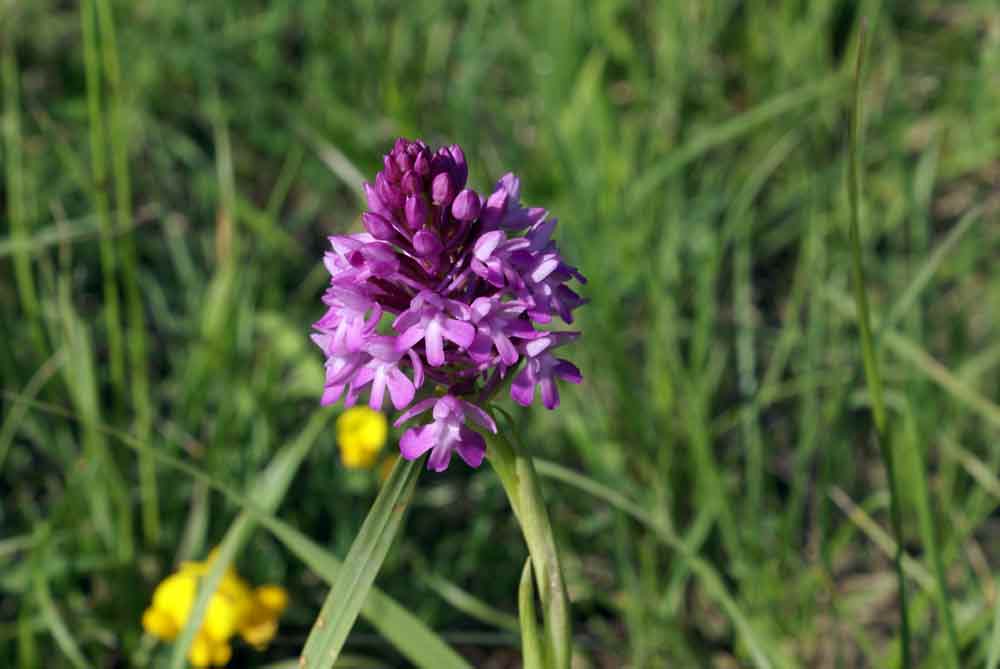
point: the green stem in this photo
(517, 474)
(869, 355)
(136, 320)
(99, 169)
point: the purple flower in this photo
(469, 281)
(448, 432)
(542, 369)
(433, 319)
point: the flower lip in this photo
(447, 434)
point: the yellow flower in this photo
(361, 434)
(234, 607)
(260, 624)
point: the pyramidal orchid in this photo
(447, 297)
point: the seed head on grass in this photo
(469, 282)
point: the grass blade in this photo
(914, 459)
(14, 178)
(728, 132)
(363, 561)
(99, 187)
(470, 604)
(136, 324)
(917, 357)
(993, 657)
(57, 626)
(873, 378)
(928, 269)
(531, 643)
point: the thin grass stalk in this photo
(136, 319)
(23, 277)
(869, 355)
(99, 186)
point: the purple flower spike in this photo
(447, 434)
(470, 281)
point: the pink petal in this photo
(507, 351)
(330, 395)
(378, 389)
(409, 338)
(415, 410)
(567, 371)
(434, 344)
(440, 457)
(417, 441)
(550, 393)
(523, 388)
(479, 416)
(459, 332)
(487, 244)
(418, 369)
(471, 447)
(400, 388)
(544, 268)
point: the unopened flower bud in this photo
(415, 211)
(466, 206)
(426, 243)
(377, 226)
(442, 190)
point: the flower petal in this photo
(417, 441)
(434, 344)
(401, 389)
(416, 410)
(440, 457)
(522, 390)
(479, 416)
(459, 332)
(471, 447)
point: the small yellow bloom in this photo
(206, 652)
(234, 608)
(361, 434)
(261, 622)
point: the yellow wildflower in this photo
(234, 608)
(361, 435)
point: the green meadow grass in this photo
(171, 171)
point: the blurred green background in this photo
(171, 171)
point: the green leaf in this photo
(469, 604)
(406, 632)
(364, 559)
(57, 626)
(531, 643)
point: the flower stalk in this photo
(517, 474)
